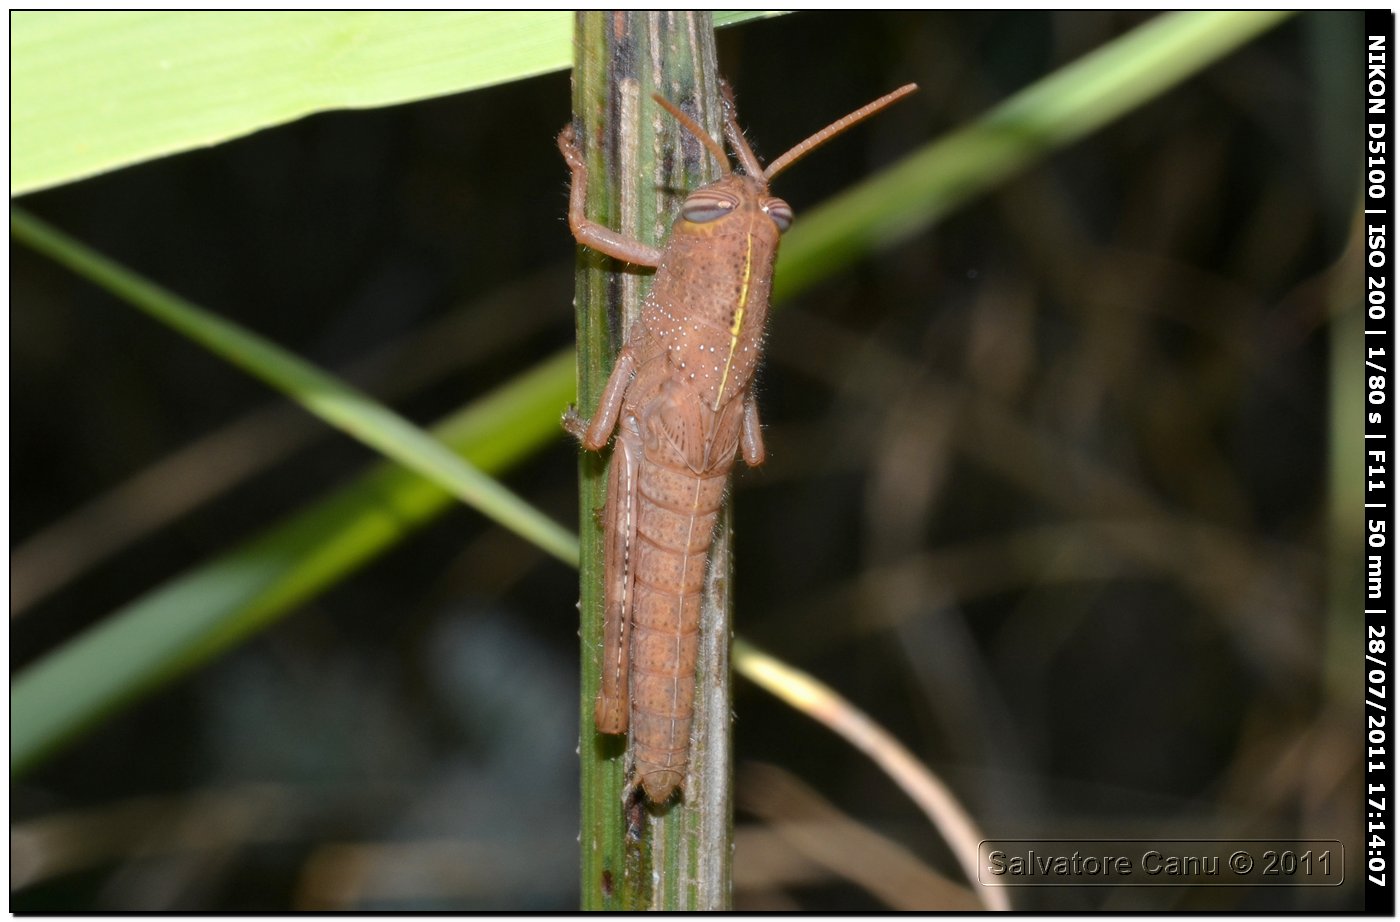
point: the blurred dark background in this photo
(1048, 489)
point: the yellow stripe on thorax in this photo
(738, 323)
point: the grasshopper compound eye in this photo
(780, 211)
(708, 205)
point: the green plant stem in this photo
(681, 859)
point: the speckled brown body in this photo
(678, 408)
(695, 349)
(679, 402)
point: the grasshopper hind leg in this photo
(610, 713)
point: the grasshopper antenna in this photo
(736, 134)
(688, 123)
(835, 128)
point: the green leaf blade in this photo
(92, 91)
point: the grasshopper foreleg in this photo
(594, 434)
(589, 232)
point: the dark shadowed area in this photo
(1050, 493)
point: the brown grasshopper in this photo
(680, 403)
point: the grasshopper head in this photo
(743, 193)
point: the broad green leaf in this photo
(91, 91)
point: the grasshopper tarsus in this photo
(568, 146)
(574, 424)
